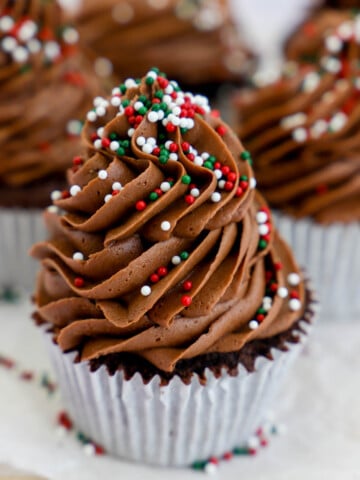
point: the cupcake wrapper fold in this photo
(331, 257)
(172, 425)
(19, 230)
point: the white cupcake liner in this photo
(331, 256)
(172, 425)
(19, 230)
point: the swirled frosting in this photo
(46, 86)
(302, 133)
(193, 41)
(163, 248)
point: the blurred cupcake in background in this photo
(195, 42)
(302, 132)
(46, 87)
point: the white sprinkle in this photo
(310, 82)
(176, 260)
(293, 279)
(74, 190)
(263, 229)
(6, 23)
(115, 101)
(218, 173)
(55, 195)
(53, 209)
(70, 35)
(261, 217)
(345, 30)
(97, 144)
(210, 468)
(205, 155)
(299, 135)
(78, 256)
(61, 431)
(195, 192)
(131, 132)
(338, 121)
(319, 127)
(152, 74)
(27, 31)
(103, 67)
(116, 186)
(100, 111)
(147, 148)
(153, 117)
(34, 45)
(221, 184)
(267, 306)
(102, 174)
(282, 292)
(333, 44)
(89, 449)
(130, 83)
(91, 116)
(138, 105)
(165, 226)
(140, 141)
(294, 304)
(100, 132)
(331, 64)
(151, 141)
(216, 197)
(8, 44)
(252, 183)
(253, 324)
(169, 89)
(165, 186)
(173, 156)
(52, 50)
(167, 144)
(145, 290)
(253, 442)
(98, 101)
(114, 145)
(293, 121)
(108, 197)
(74, 127)
(198, 161)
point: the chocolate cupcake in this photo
(46, 87)
(193, 41)
(302, 132)
(172, 306)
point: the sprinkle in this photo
(6, 23)
(140, 205)
(8, 44)
(89, 449)
(252, 183)
(91, 116)
(70, 35)
(108, 197)
(98, 143)
(282, 292)
(261, 217)
(186, 179)
(333, 44)
(294, 304)
(140, 141)
(102, 174)
(210, 468)
(253, 325)
(187, 285)
(116, 186)
(216, 197)
(176, 260)
(145, 290)
(293, 121)
(114, 146)
(263, 229)
(53, 209)
(299, 135)
(195, 192)
(338, 121)
(20, 54)
(165, 226)
(56, 195)
(293, 279)
(79, 282)
(74, 190)
(165, 186)
(186, 300)
(310, 82)
(78, 256)
(153, 117)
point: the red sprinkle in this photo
(228, 456)
(99, 450)
(221, 130)
(185, 146)
(189, 199)
(278, 266)
(228, 186)
(187, 285)
(225, 170)
(239, 192)
(154, 278)
(65, 194)
(79, 282)
(162, 271)
(77, 160)
(140, 205)
(156, 151)
(214, 460)
(163, 82)
(174, 148)
(105, 142)
(170, 127)
(186, 300)
(294, 294)
(64, 420)
(129, 111)
(231, 177)
(26, 375)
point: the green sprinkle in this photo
(142, 110)
(113, 136)
(241, 451)
(183, 130)
(245, 155)
(153, 196)
(125, 103)
(155, 69)
(199, 465)
(125, 143)
(208, 165)
(186, 179)
(163, 106)
(81, 437)
(138, 81)
(122, 88)
(184, 255)
(262, 244)
(244, 178)
(156, 107)
(163, 159)
(120, 151)
(159, 94)
(212, 159)
(261, 311)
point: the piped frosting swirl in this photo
(163, 247)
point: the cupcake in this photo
(46, 86)
(172, 307)
(195, 42)
(302, 133)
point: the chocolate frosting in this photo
(46, 87)
(164, 248)
(193, 41)
(302, 133)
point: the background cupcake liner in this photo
(19, 230)
(176, 424)
(331, 256)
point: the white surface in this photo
(321, 410)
